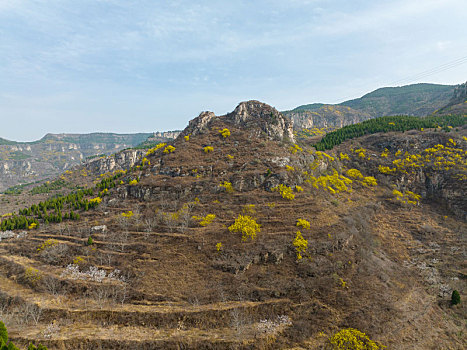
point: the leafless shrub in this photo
(52, 285)
(55, 254)
(51, 330)
(149, 224)
(26, 313)
(238, 320)
(100, 294)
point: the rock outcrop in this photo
(259, 118)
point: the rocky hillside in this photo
(458, 102)
(234, 237)
(416, 99)
(326, 116)
(53, 154)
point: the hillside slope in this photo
(182, 263)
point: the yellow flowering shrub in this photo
(133, 182)
(385, 169)
(78, 260)
(295, 148)
(127, 214)
(225, 132)
(298, 188)
(249, 209)
(187, 137)
(146, 162)
(352, 339)
(96, 200)
(32, 226)
(385, 153)
(47, 244)
(289, 168)
(169, 149)
(369, 181)
(246, 225)
(285, 191)
(407, 197)
(230, 157)
(154, 149)
(204, 221)
(300, 244)
(32, 276)
(361, 152)
(227, 186)
(354, 173)
(208, 149)
(303, 223)
(344, 156)
(219, 246)
(334, 183)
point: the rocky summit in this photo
(260, 118)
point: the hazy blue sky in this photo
(137, 65)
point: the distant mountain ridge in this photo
(25, 162)
(416, 99)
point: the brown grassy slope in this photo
(180, 292)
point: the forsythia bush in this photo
(228, 186)
(300, 244)
(127, 214)
(334, 183)
(303, 223)
(206, 220)
(32, 275)
(352, 339)
(285, 191)
(219, 246)
(407, 197)
(169, 149)
(133, 182)
(299, 188)
(154, 149)
(354, 173)
(208, 149)
(249, 209)
(225, 132)
(47, 244)
(187, 137)
(344, 156)
(295, 148)
(369, 181)
(96, 200)
(146, 162)
(246, 225)
(289, 168)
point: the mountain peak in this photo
(256, 116)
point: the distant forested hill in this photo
(416, 100)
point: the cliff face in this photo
(326, 116)
(120, 161)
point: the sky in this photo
(150, 65)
